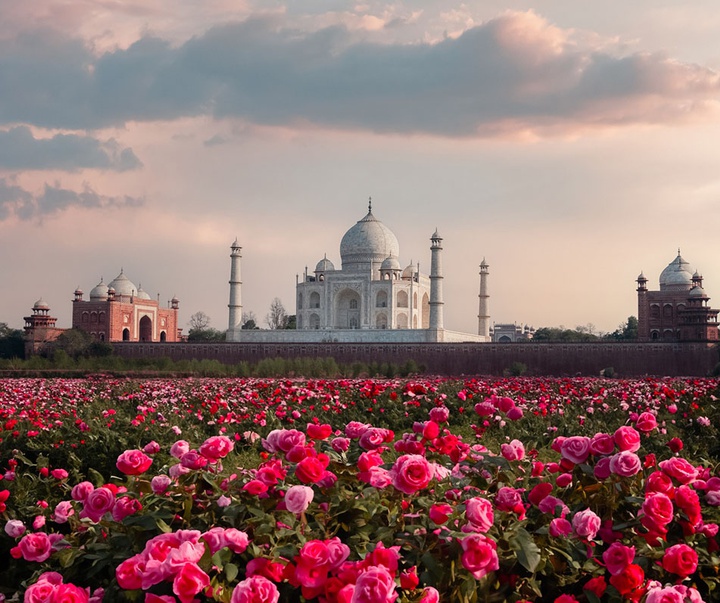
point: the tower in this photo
(643, 307)
(235, 305)
(436, 280)
(483, 305)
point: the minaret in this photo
(643, 307)
(235, 305)
(484, 309)
(436, 279)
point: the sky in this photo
(572, 144)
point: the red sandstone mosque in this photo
(679, 311)
(118, 311)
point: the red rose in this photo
(629, 582)
(680, 559)
(310, 470)
(411, 472)
(133, 462)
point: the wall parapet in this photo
(628, 359)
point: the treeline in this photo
(627, 331)
(60, 364)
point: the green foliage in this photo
(12, 342)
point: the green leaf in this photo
(528, 553)
(231, 571)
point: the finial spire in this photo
(369, 205)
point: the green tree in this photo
(12, 342)
(200, 329)
(276, 318)
(249, 322)
(75, 343)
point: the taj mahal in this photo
(370, 298)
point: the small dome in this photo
(677, 276)
(641, 276)
(368, 241)
(99, 291)
(410, 271)
(324, 265)
(78, 290)
(41, 304)
(698, 292)
(123, 285)
(142, 294)
(390, 263)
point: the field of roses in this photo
(359, 491)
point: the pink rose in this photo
(479, 555)
(510, 500)
(151, 447)
(179, 448)
(297, 498)
(14, 528)
(340, 444)
(657, 510)
(81, 491)
(189, 581)
(124, 507)
(602, 470)
(586, 524)
(602, 444)
(646, 422)
(160, 484)
(193, 460)
(59, 473)
(559, 527)
(625, 463)
(411, 472)
(479, 512)
(375, 585)
(515, 413)
(69, 593)
(576, 449)
(617, 557)
(627, 438)
(98, 502)
(216, 447)
(130, 572)
(430, 595)
(35, 547)
(664, 595)
(255, 589)
(679, 469)
(514, 451)
(63, 511)
(440, 414)
(288, 438)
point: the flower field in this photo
(359, 491)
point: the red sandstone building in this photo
(679, 311)
(121, 311)
(40, 328)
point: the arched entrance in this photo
(126, 334)
(145, 329)
(347, 310)
(163, 337)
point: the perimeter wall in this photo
(559, 359)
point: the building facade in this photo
(511, 332)
(679, 310)
(40, 328)
(370, 297)
(120, 311)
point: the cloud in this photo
(514, 73)
(20, 150)
(25, 205)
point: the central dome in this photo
(368, 242)
(677, 276)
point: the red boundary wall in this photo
(559, 359)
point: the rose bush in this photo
(522, 489)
